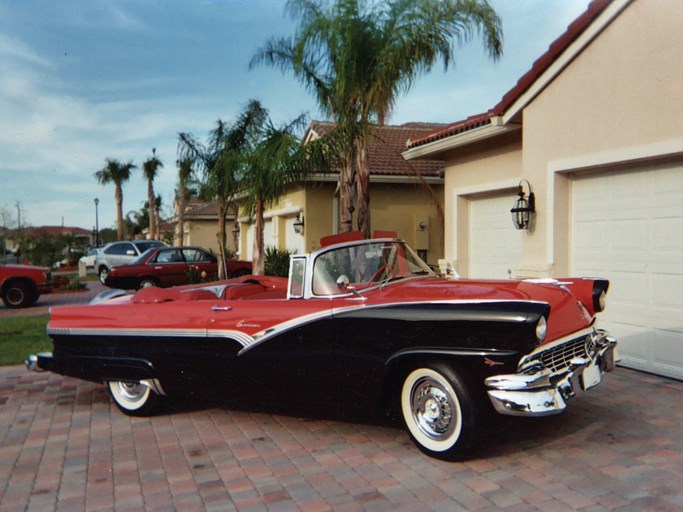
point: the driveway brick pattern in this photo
(65, 446)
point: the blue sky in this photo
(81, 81)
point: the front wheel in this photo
(18, 295)
(104, 273)
(439, 411)
(132, 398)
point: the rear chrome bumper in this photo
(542, 392)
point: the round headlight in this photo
(541, 330)
(602, 300)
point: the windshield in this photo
(142, 257)
(149, 244)
(364, 265)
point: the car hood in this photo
(25, 268)
(567, 313)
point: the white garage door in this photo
(628, 227)
(495, 244)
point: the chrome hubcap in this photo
(132, 391)
(432, 409)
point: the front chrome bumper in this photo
(542, 392)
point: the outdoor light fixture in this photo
(299, 224)
(524, 209)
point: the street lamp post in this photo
(97, 224)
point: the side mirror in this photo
(130, 252)
(342, 282)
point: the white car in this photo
(89, 258)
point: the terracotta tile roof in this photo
(557, 47)
(198, 209)
(54, 231)
(386, 146)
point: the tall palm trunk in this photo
(258, 259)
(363, 189)
(222, 265)
(152, 209)
(118, 194)
(180, 205)
(346, 196)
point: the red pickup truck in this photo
(21, 285)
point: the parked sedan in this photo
(360, 328)
(121, 253)
(171, 266)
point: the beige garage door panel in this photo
(628, 226)
(495, 244)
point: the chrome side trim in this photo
(240, 337)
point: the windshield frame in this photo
(363, 261)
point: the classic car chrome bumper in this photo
(539, 391)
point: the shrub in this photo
(277, 262)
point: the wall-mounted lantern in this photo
(524, 209)
(299, 224)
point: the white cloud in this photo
(15, 49)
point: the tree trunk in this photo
(180, 226)
(222, 268)
(157, 224)
(118, 195)
(152, 209)
(258, 260)
(363, 189)
(236, 229)
(346, 196)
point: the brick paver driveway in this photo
(64, 446)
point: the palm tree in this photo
(222, 162)
(357, 56)
(185, 174)
(117, 173)
(150, 169)
(277, 160)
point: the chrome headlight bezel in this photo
(541, 330)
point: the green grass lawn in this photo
(22, 336)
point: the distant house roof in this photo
(542, 64)
(54, 231)
(198, 210)
(386, 146)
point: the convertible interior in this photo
(243, 288)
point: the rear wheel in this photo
(148, 282)
(18, 295)
(440, 411)
(132, 398)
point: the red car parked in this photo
(21, 285)
(171, 266)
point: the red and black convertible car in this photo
(361, 327)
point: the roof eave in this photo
(568, 54)
(432, 149)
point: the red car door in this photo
(169, 267)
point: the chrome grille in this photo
(558, 358)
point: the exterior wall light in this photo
(524, 209)
(299, 224)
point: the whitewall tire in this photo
(132, 398)
(439, 411)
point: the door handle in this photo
(221, 308)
